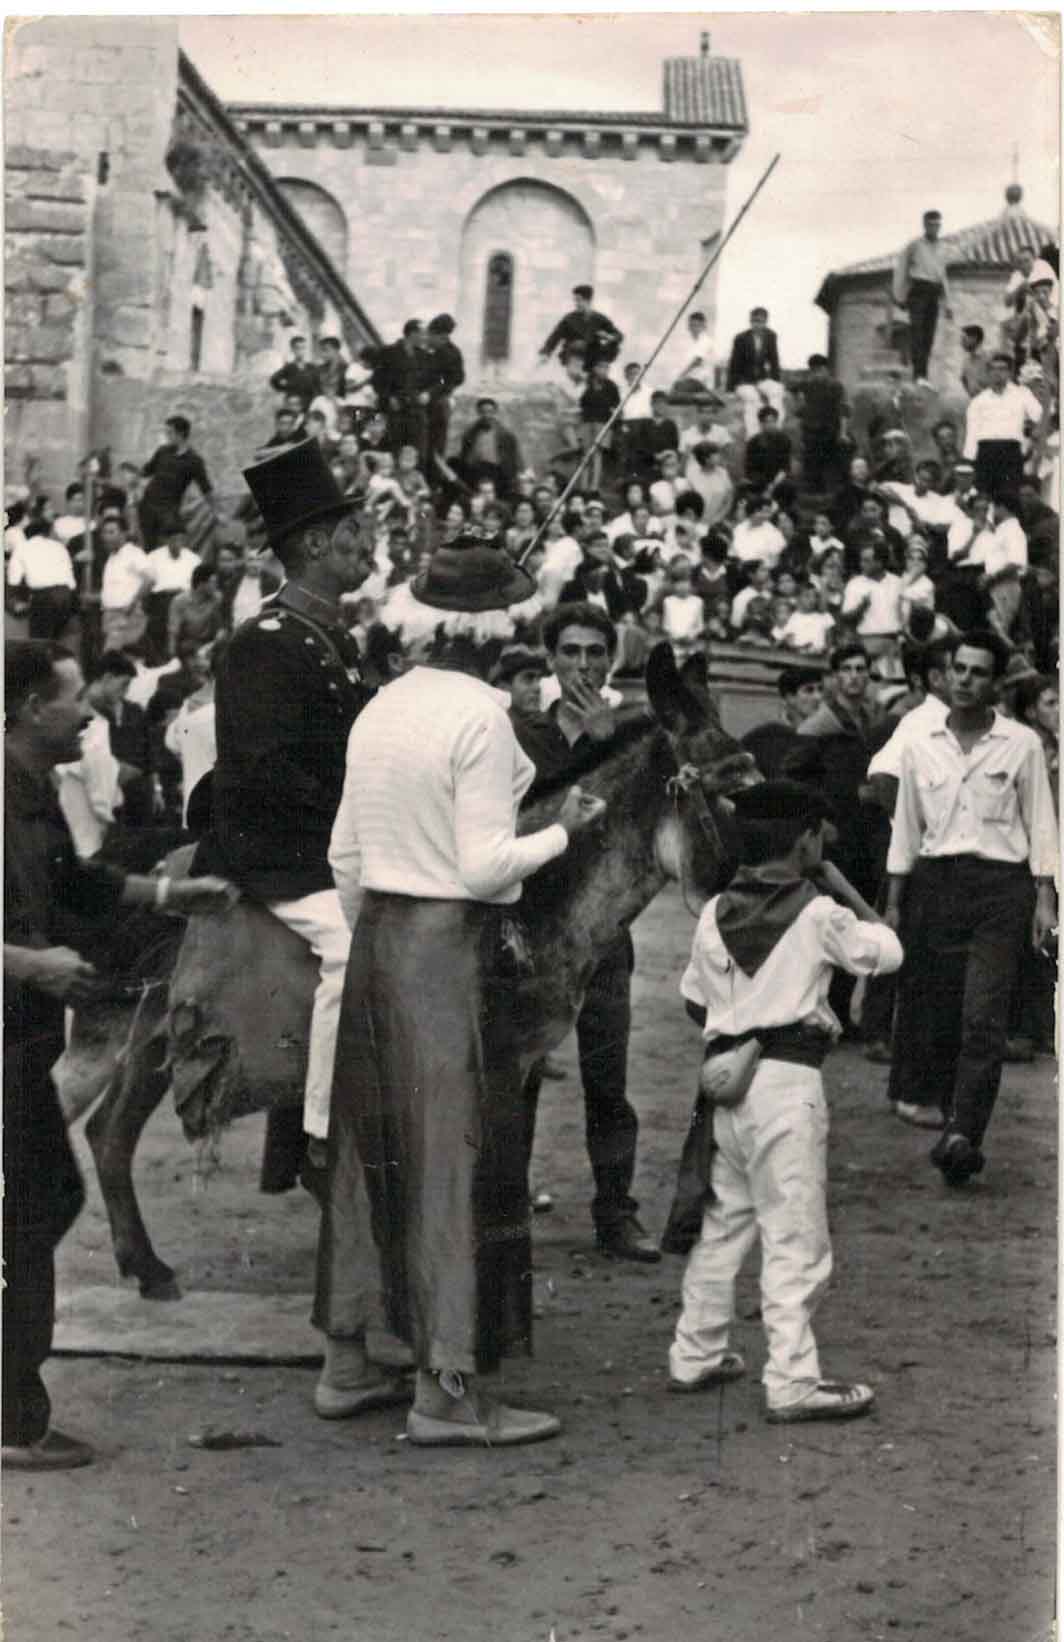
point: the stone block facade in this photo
(47, 259)
(860, 327)
(429, 202)
(149, 255)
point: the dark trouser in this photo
(998, 467)
(439, 422)
(611, 1124)
(158, 521)
(43, 1195)
(965, 923)
(50, 610)
(157, 633)
(820, 458)
(924, 298)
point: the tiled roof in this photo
(699, 91)
(991, 244)
(705, 91)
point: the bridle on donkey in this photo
(687, 786)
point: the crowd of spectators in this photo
(709, 515)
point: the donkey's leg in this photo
(113, 1131)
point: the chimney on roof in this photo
(1013, 199)
(704, 45)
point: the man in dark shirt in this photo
(768, 455)
(489, 451)
(173, 467)
(821, 412)
(649, 438)
(297, 375)
(403, 383)
(584, 328)
(598, 402)
(51, 900)
(580, 642)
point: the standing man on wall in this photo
(172, 468)
(920, 285)
(584, 328)
(446, 372)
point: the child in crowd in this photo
(683, 616)
(808, 628)
(762, 960)
(822, 540)
(782, 610)
(916, 585)
(756, 628)
(718, 622)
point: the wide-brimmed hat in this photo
(470, 576)
(294, 487)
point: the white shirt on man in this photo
(40, 562)
(994, 801)
(561, 559)
(170, 574)
(883, 614)
(930, 714)
(757, 541)
(993, 415)
(124, 576)
(434, 779)
(89, 790)
(67, 526)
(807, 630)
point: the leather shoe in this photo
(830, 1400)
(626, 1240)
(334, 1403)
(958, 1159)
(730, 1367)
(53, 1452)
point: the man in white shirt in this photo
(971, 869)
(72, 522)
(90, 790)
(126, 579)
(44, 568)
(873, 599)
(692, 359)
(996, 429)
(756, 537)
(704, 431)
(171, 569)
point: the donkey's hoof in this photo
(157, 1288)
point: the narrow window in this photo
(195, 339)
(498, 306)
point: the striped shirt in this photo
(434, 779)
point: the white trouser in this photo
(754, 399)
(319, 920)
(769, 1176)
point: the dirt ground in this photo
(653, 1516)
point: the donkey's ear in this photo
(679, 702)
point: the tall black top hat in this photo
(295, 488)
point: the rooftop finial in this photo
(704, 44)
(1013, 195)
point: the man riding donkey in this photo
(287, 692)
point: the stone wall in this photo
(412, 207)
(859, 327)
(48, 251)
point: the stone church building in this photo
(493, 216)
(161, 249)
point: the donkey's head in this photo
(695, 841)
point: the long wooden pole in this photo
(677, 316)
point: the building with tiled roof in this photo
(868, 337)
(494, 214)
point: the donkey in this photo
(228, 1033)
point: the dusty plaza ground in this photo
(654, 1516)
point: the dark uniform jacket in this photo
(286, 694)
(445, 367)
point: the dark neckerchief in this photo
(756, 911)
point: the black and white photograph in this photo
(531, 849)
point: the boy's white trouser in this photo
(319, 920)
(769, 1176)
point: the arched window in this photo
(498, 306)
